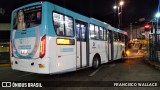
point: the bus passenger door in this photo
(81, 36)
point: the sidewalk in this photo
(152, 63)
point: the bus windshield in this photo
(27, 17)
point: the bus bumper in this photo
(31, 65)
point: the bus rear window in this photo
(27, 17)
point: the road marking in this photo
(93, 73)
(24, 75)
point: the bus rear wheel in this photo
(96, 62)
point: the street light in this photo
(157, 15)
(117, 7)
(121, 3)
(114, 7)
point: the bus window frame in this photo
(64, 24)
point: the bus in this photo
(49, 39)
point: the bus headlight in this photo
(127, 52)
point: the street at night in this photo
(133, 69)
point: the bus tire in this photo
(96, 62)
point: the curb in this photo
(153, 64)
(5, 65)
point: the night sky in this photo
(99, 9)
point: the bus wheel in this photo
(96, 62)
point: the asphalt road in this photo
(133, 69)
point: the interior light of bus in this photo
(43, 46)
(62, 41)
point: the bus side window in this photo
(78, 31)
(100, 33)
(69, 26)
(96, 32)
(83, 32)
(115, 36)
(105, 34)
(92, 33)
(109, 36)
(58, 23)
(63, 24)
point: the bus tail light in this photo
(11, 48)
(42, 46)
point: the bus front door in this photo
(81, 36)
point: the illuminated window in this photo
(63, 25)
(101, 33)
(92, 34)
(58, 24)
(96, 32)
(105, 34)
(68, 26)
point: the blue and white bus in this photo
(49, 39)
